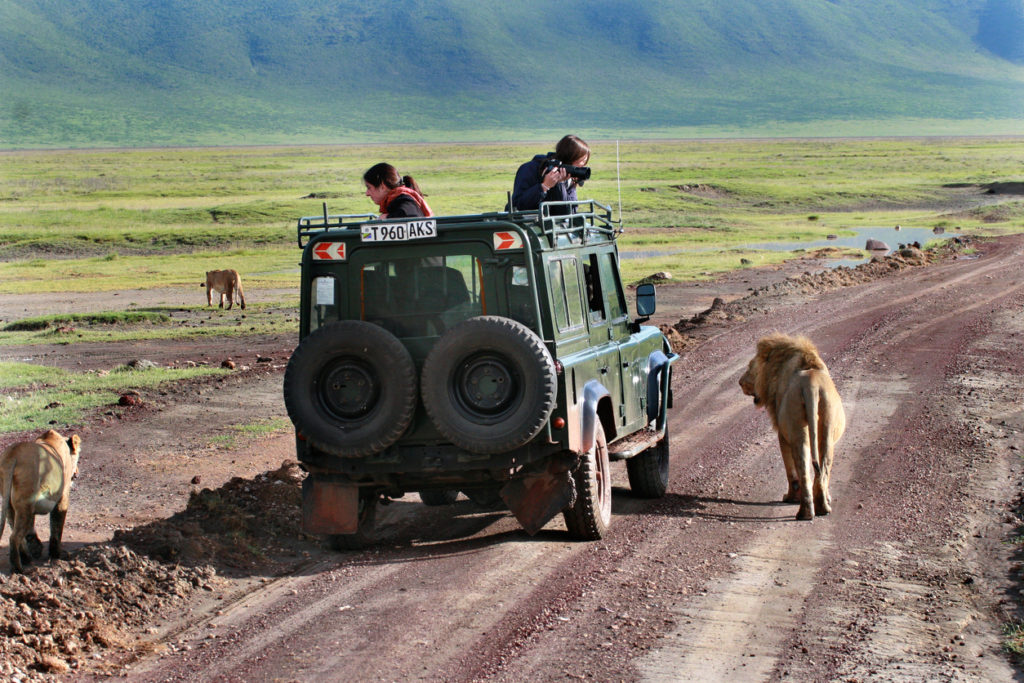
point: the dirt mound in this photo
(810, 283)
(57, 615)
(240, 525)
(702, 190)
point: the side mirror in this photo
(645, 300)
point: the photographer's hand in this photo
(553, 177)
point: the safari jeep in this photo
(490, 354)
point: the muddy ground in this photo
(186, 562)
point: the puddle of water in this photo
(891, 236)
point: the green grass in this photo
(251, 430)
(108, 220)
(265, 267)
(35, 396)
(162, 323)
(53, 321)
(1013, 640)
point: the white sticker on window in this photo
(323, 288)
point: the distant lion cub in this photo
(226, 282)
(36, 479)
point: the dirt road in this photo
(911, 578)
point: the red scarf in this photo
(400, 190)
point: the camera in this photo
(580, 173)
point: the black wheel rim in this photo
(486, 386)
(348, 389)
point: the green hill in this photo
(134, 72)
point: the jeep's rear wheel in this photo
(589, 518)
(366, 533)
(648, 471)
(489, 384)
(350, 388)
(438, 498)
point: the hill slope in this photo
(120, 72)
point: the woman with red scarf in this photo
(397, 196)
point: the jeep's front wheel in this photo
(591, 515)
(648, 471)
(489, 384)
(350, 388)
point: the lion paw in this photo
(35, 546)
(805, 512)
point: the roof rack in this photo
(583, 221)
(579, 222)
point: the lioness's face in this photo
(747, 381)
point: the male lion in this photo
(788, 378)
(225, 282)
(36, 479)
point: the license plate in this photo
(399, 232)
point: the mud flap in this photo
(329, 507)
(541, 491)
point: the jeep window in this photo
(592, 276)
(322, 302)
(615, 299)
(419, 297)
(520, 296)
(565, 293)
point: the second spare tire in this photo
(489, 384)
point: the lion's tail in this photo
(811, 406)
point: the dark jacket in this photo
(404, 206)
(527, 192)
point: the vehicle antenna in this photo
(618, 179)
(325, 214)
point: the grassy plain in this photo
(114, 220)
(102, 220)
(35, 395)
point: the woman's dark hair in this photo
(570, 148)
(386, 174)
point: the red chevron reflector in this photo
(329, 251)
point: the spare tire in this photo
(350, 388)
(489, 384)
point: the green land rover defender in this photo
(491, 354)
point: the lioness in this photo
(788, 378)
(226, 282)
(36, 479)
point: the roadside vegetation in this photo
(39, 397)
(150, 323)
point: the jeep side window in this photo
(565, 293)
(593, 279)
(520, 296)
(614, 297)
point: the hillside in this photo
(122, 72)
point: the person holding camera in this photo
(552, 177)
(397, 196)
